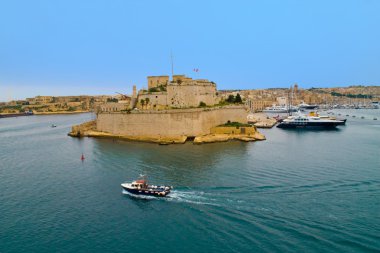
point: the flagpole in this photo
(171, 56)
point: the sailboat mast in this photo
(289, 103)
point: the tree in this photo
(142, 102)
(147, 101)
(202, 104)
(238, 99)
(231, 99)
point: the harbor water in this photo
(298, 191)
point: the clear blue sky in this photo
(98, 47)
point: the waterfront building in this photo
(39, 100)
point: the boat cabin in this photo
(139, 184)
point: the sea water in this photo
(298, 191)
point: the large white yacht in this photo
(302, 121)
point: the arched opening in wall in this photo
(190, 138)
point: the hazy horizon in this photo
(97, 47)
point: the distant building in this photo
(256, 105)
(39, 100)
(282, 101)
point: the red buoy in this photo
(82, 157)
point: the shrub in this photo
(153, 89)
(162, 87)
(235, 124)
(202, 104)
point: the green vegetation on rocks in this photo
(158, 88)
(234, 124)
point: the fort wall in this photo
(157, 100)
(189, 122)
(180, 96)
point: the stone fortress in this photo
(181, 92)
(171, 111)
(163, 94)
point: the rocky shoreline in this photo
(88, 129)
(58, 112)
(212, 138)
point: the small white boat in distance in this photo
(279, 109)
(304, 106)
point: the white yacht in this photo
(304, 106)
(305, 121)
(280, 109)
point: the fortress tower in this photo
(155, 81)
(134, 94)
(295, 89)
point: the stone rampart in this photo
(191, 95)
(187, 122)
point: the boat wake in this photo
(192, 197)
